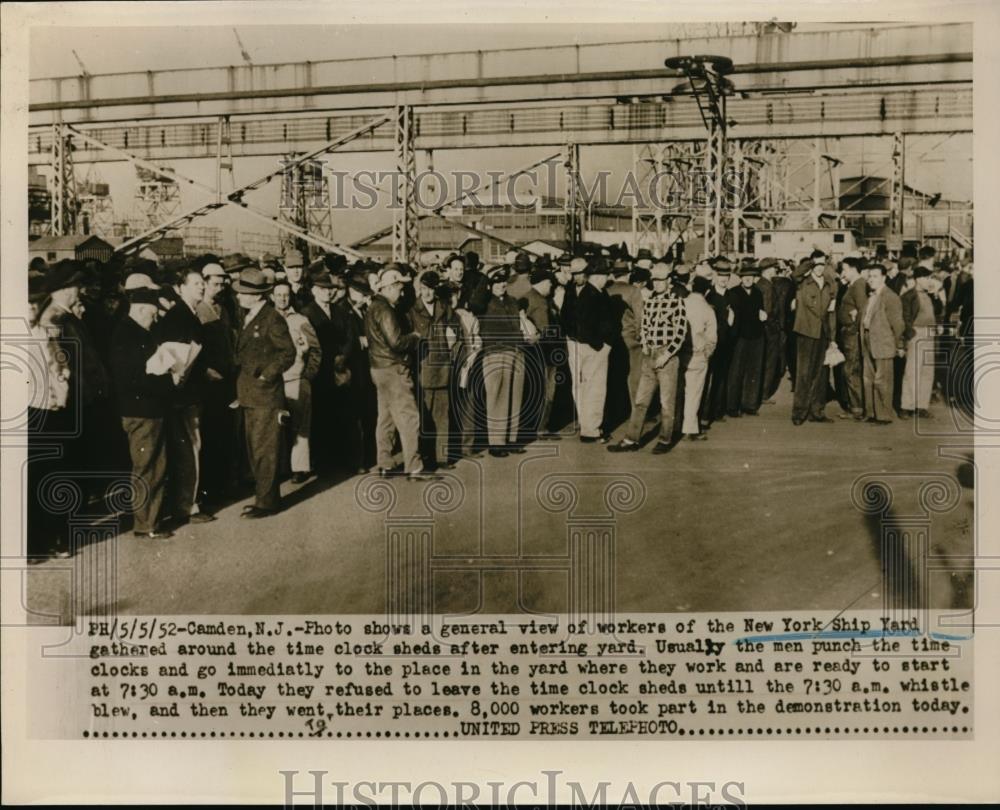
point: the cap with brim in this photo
(212, 269)
(237, 263)
(767, 263)
(429, 279)
(67, 273)
(749, 270)
(168, 293)
(137, 281)
(639, 276)
(578, 265)
(326, 281)
(389, 275)
(682, 270)
(144, 295)
(36, 287)
(498, 275)
(522, 263)
(359, 282)
(598, 267)
(540, 274)
(659, 271)
(906, 262)
(252, 281)
(292, 258)
(921, 272)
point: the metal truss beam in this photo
(64, 199)
(837, 114)
(405, 232)
(764, 61)
(236, 198)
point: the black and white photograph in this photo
(533, 375)
(580, 305)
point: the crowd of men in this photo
(206, 374)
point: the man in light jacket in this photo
(881, 340)
(702, 328)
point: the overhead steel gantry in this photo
(867, 81)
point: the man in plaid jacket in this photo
(664, 327)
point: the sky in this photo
(104, 50)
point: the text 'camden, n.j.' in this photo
(680, 676)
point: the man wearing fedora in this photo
(566, 299)
(298, 380)
(626, 355)
(882, 341)
(144, 401)
(390, 347)
(815, 328)
(774, 343)
(595, 332)
(432, 319)
(541, 310)
(55, 414)
(264, 352)
(743, 387)
(330, 323)
(664, 329)
(361, 405)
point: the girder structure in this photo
(405, 230)
(63, 198)
(236, 197)
(647, 218)
(912, 80)
(95, 213)
(830, 114)
(764, 62)
(573, 203)
(897, 191)
(157, 198)
(305, 203)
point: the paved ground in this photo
(758, 517)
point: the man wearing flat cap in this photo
(595, 332)
(144, 400)
(264, 352)
(815, 328)
(220, 435)
(295, 273)
(743, 386)
(433, 320)
(182, 426)
(390, 348)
